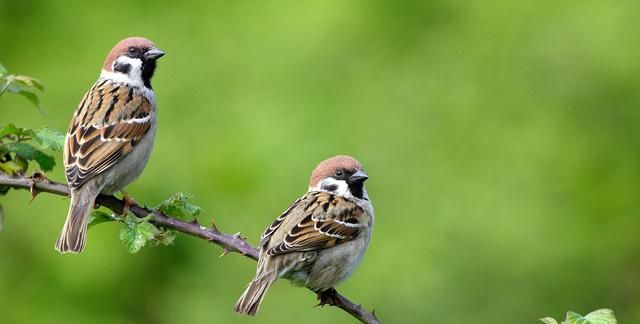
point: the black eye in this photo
(132, 51)
(339, 173)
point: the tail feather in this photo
(73, 237)
(250, 301)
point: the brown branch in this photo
(229, 242)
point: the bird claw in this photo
(128, 203)
(36, 177)
(328, 297)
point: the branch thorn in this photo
(225, 251)
(213, 226)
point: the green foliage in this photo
(49, 138)
(15, 153)
(178, 207)
(21, 84)
(98, 217)
(137, 232)
(600, 316)
(29, 153)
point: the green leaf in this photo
(33, 98)
(30, 153)
(15, 166)
(3, 70)
(29, 82)
(98, 217)
(177, 206)
(600, 316)
(49, 138)
(136, 233)
(11, 129)
(548, 320)
(165, 237)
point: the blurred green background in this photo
(502, 140)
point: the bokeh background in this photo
(502, 140)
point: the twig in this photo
(229, 242)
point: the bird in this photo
(320, 239)
(111, 134)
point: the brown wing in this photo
(264, 239)
(110, 121)
(328, 220)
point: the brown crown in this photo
(329, 166)
(123, 46)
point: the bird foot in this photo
(328, 297)
(36, 177)
(128, 203)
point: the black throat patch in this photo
(148, 68)
(357, 189)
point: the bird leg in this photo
(128, 202)
(328, 297)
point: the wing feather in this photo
(110, 121)
(327, 220)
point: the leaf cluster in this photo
(600, 316)
(17, 147)
(23, 85)
(137, 233)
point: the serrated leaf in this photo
(600, 316)
(548, 320)
(30, 153)
(164, 237)
(135, 235)
(49, 138)
(99, 217)
(177, 206)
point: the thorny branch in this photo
(229, 242)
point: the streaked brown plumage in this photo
(111, 134)
(101, 134)
(320, 239)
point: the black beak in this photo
(153, 54)
(358, 177)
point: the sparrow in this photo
(111, 134)
(320, 239)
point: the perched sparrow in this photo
(320, 239)
(110, 135)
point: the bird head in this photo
(133, 61)
(341, 175)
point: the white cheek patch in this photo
(134, 77)
(338, 187)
